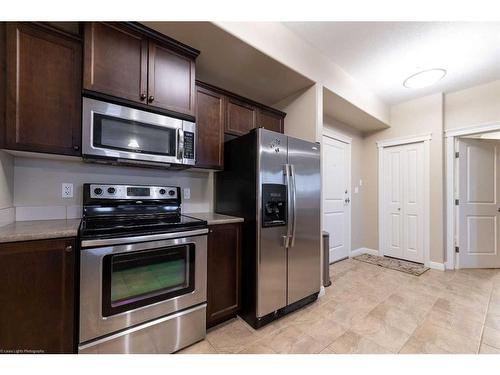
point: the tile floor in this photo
(370, 309)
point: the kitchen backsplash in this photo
(38, 186)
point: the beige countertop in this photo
(45, 229)
(213, 219)
(38, 230)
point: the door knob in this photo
(399, 208)
(68, 249)
(143, 96)
(151, 98)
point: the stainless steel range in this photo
(142, 271)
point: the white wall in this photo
(6, 188)
(473, 106)
(304, 113)
(37, 185)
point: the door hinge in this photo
(457, 154)
(457, 249)
(456, 202)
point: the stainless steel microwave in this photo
(131, 136)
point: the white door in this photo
(403, 197)
(479, 180)
(336, 196)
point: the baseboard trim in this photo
(363, 250)
(436, 266)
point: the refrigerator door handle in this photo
(286, 239)
(294, 203)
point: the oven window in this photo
(132, 136)
(140, 278)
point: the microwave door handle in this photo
(294, 203)
(180, 144)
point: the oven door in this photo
(128, 134)
(125, 285)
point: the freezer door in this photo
(304, 262)
(271, 252)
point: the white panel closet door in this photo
(404, 202)
(336, 219)
(479, 203)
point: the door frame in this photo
(382, 144)
(452, 136)
(348, 141)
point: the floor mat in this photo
(405, 266)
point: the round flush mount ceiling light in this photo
(424, 78)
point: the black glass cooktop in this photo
(136, 225)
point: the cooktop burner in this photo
(98, 227)
(129, 210)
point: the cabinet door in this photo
(115, 61)
(171, 80)
(240, 117)
(223, 280)
(43, 107)
(209, 128)
(37, 294)
(270, 121)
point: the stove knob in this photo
(162, 191)
(97, 191)
(111, 190)
(171, 192)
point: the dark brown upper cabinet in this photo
(270, 120)
(171, 80)
(115, 61)
(37, 296)
(43, 90)
(241, 117)
(134, 63)
(209, 128)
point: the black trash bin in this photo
(326, 259)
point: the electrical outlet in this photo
(187, 193)
(67, 190)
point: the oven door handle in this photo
(147, 238)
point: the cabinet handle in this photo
(151, 98)
(143, 96)
(68, 249)
(76, 147)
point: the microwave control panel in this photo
(188, 145)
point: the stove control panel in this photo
(132, 192)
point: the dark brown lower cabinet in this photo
(224, 272)
(37, 296)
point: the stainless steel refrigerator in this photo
(273, 181)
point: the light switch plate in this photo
(187, 193)
(360, 182)
(356, 190)
(67, 190)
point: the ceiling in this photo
(383, 54)
(227, 62)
